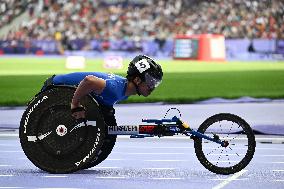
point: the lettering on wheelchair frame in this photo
(123, 130)
(31, 110)
(91, 151)
(174, 129)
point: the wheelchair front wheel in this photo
(229, 159)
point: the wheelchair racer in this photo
(143, 76)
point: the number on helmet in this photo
(142, 65)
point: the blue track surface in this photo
(164, 163)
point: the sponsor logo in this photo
(91, 151)
(124, 129)
(31, 110)
(148, 129)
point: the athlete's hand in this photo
(78, 113)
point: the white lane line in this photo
(23, 158)
(116, 159)
(159, 168)
(278, 180)
(282, 155)
(276, 162)
(58, 188)
(174, 178)
(94, 168)
(111, 177)
(230, 179)
(6, 175)
(278, 170)
(55, 176)
(9, 135)
(147, 168)
(156, 147)
(5, 165)
(263, 148)
(190, 147)
(165, 160)
(151, 153)
(8, 145)
(11, 151)
(11, 187)
(226, 179)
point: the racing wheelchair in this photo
(55, 142)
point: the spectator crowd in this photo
(138, 20)
(10, 9)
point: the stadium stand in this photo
(127, 25)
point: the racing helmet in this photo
(146, 69)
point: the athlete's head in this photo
(145, 73)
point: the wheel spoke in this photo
(228, 157)
(219, 157)
(220, 127)
(213, 150)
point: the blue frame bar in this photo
(192, 132)
(201, 135)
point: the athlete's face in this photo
(144, 89)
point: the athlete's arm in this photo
(89, 84)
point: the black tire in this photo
(54, 153)
(240, 137)
(104, 152)
(109, 142)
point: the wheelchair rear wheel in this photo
(50, 136)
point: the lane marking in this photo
(174, 178)
(55, 176)
(226, 179)
(5, 165)
(278, 180)
(111, 177)
(263, 148)
(183, 147)
(9, 135)
(6, 175)
(116, 159)
(155, 147)
(8, 145)
(59, 188)
(94, 168)
(11, 151)
(166, 160)
(152, 153)
(182, 153)
(278, 170)
(159, 168)
(281, 155)
(7, 187)
(147, 168)
(22, 158)
(229, 179)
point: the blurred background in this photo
(212, 49)
(252, 29)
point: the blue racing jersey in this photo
(113, 92)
